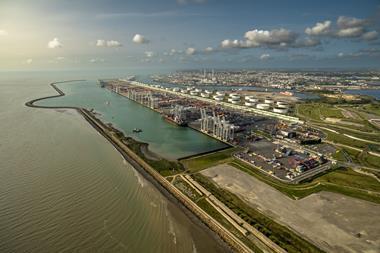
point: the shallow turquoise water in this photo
(164, 138)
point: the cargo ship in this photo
(176, 122)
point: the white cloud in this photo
(232, 43)
(368, 36)
(108, 43)
(190, 51)
(172, 51)
(276, 38)
(209, 49)
(149, 54)
(96, 60)
(349, 22)
(101, 43)
(268, 38)
(320, 28)
(307, 42)
(113, 43)
(55, 43)
(340, 54)
(3, 33)
(351, 32)
(139, 39)
(346, 27)
(264, 57)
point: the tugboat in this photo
(137, 130)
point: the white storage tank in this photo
(220, 93)
(205, 95)
(235, 102)
(263, 106)
(219, 98)
(280, 110)
(248, 97)
(283, 105)
(268, 101)
(249, 104)
(175, 89)
(253, 100)
(208, 91)
(184, 91)
(193, 93)
(198, 90)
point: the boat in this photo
(137, 130)
(108, 102)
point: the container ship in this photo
(175, 121)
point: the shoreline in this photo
(197, 215)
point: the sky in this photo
(179, 34)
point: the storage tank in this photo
(205, 95)
(280, 110)
(248, 97)
(193, 93)
(220, 93)
(268, 101)
(235, 102)
(283, 105)
(208, 91)
(198, 90)
(253, 100)
(263, 106)
(249, 104)
(219, 98)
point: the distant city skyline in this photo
(183, 34)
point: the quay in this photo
(233, 106)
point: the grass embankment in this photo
(202, 203)
(202, 162)
(279, 234)
(185, 188)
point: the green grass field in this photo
(201, 162)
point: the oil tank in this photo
(268, 101)
(263, 106)
(280, 110)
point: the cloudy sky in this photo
(67, 34)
